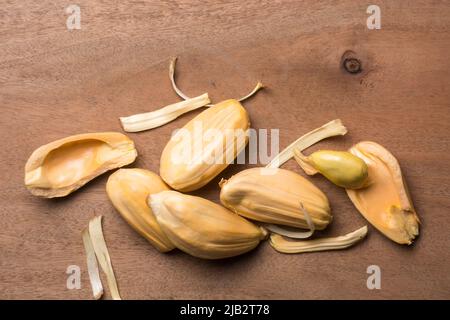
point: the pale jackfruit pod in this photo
(62, 166)
(203, 228)
(205, 146)
(274, 195)
(128, 190)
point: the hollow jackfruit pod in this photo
(272, 195)
(62, 166)
(203, 228)
(385, 202)
(128, 190)
(205, 146)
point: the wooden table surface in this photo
(55, 82)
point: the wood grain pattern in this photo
(55, 82)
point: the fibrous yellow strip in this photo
(283, 245)
(150, 120)
(101, 251)
(294, 234)
(173, 63)
(94, 276)
(330, 129)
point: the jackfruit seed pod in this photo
(203, 228)
(205, 146)
(340, 167)
(128, 190)
(272, 195)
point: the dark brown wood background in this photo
(55, 83)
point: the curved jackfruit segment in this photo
(61, 167)
(385, 202)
